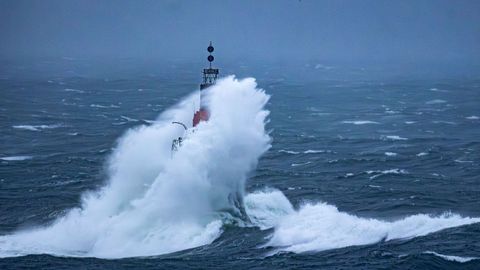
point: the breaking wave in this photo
(320, 226)
(156, 203)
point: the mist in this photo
(378, 33)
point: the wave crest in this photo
(154, 203)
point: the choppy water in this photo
(360, 174)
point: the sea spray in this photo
(155, 203)
(320, 226)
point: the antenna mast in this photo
(209, 74)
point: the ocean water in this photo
(331, 171)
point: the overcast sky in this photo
(378, 31)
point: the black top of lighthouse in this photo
(210, 48)
(209, 74)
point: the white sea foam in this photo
(155, 203)
(444, 122)
(360, 122)
(288, 152)
(384, 172)
(320, 226)
(392, 171)
(316, 151)
(472, 117)
(149, 121)
(74, 90)
(435, 101)
(452, 258)
(36, 127)
(437, 90)
(104, 106)
(129, 119)
(321, 66)
(421, 154)
(300, 164)
(16, 158)
(391, 154)
(391, 112)
(463, 161)
(265, 208)
(393, 138)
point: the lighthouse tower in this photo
(209, 78)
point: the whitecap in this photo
(321, 66)
(300, 164)
(320, 226)
(385, 172)
(391, 154)
(16, 158)
(36, 127)
(155, 202)
(359, 122)
(435, 101)
(320, 113)
(74, 90)
(288, 152)
(391, 112)
(472, 117)
(452, 258)
(434, 89)
(129, 119)
(444, 122)
(149, 121)
(104, 106)
(310, 151)
(421, 154)
(393, 138)
(26, 127)
(463, 161)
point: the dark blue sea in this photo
(382, 169)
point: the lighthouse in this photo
(209, 78)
